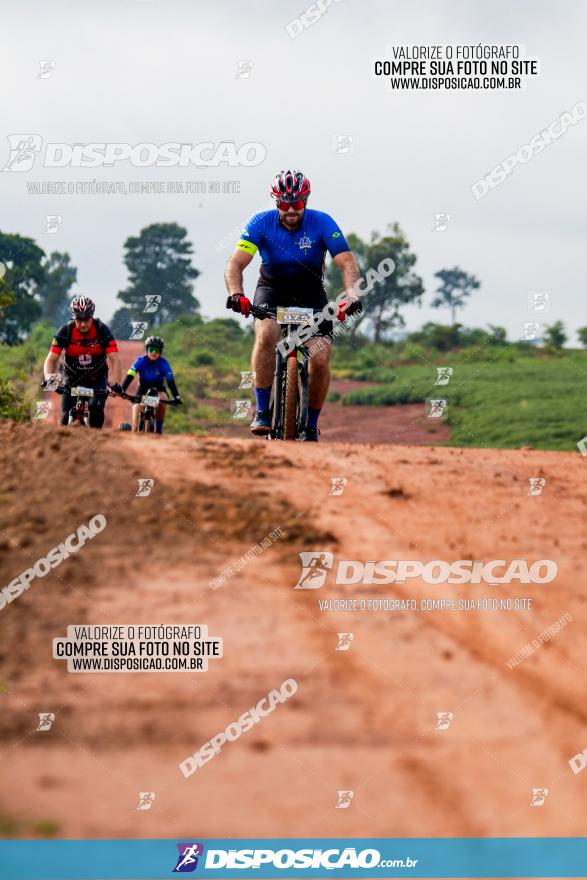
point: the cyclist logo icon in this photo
(152, 302)
(539, 795)
(46, 719)
(344, 800)
(138, 329)
(305, 243)
(443, 375)
(338, 485)
(344, 641)
(42, 410)
(444, 719)
(187, 860)
(315, 566)
(23, 151)
(241, 409)
(53, 223)
(46, 68)
(537, 484)
(247, 379)
(146, 799)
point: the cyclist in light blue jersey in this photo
(153, 371)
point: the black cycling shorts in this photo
(268, 296)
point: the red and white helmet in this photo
(82, 307)
(290, 186)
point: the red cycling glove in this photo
(238, 302)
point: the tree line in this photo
(158, 260)
(382, 308)
(34, 286)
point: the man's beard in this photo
(291, 225)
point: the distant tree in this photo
(442, 337)
(333, 277)
(455, 287)
(555, 335)
(381, 306)
(497, 335)
(19, 286)
(582, 334)
(159, 263)
(60, 276)
(120, 324)
(471, 336)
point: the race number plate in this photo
(80, 391)
(150, 400)
(294, 315)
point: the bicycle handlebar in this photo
(137, 398)
(63, 389)
(263, 312)
(133, 398)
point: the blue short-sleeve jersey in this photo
(291, 259)
(151, 372)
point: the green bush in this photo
(380, 374)
(203, 358)
(13, 403)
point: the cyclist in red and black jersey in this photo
(89, 348)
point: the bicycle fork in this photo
(278, 379)
(278, 393)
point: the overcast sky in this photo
(136, 71)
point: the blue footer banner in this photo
(357, 857)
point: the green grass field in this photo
(537, 401)
(502, 396)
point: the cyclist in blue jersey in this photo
(292, 242)
(153, 372)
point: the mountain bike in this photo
(289, 394)
(79, 414)
(149, 403)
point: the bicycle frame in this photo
(300, 353)
(148, 410)
(80, 411)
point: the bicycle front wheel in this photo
(291, 398)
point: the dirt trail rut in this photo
(363, 719)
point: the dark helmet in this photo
(155, 342)
(290, 186)
(82, 307)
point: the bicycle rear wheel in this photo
(291, 398)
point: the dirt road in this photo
(355, 424)
(363, 719)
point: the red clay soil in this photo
(400, 425)
(362, 719)
(119, 410)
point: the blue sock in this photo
(313, 416)
(263, 396)
(158, 426)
